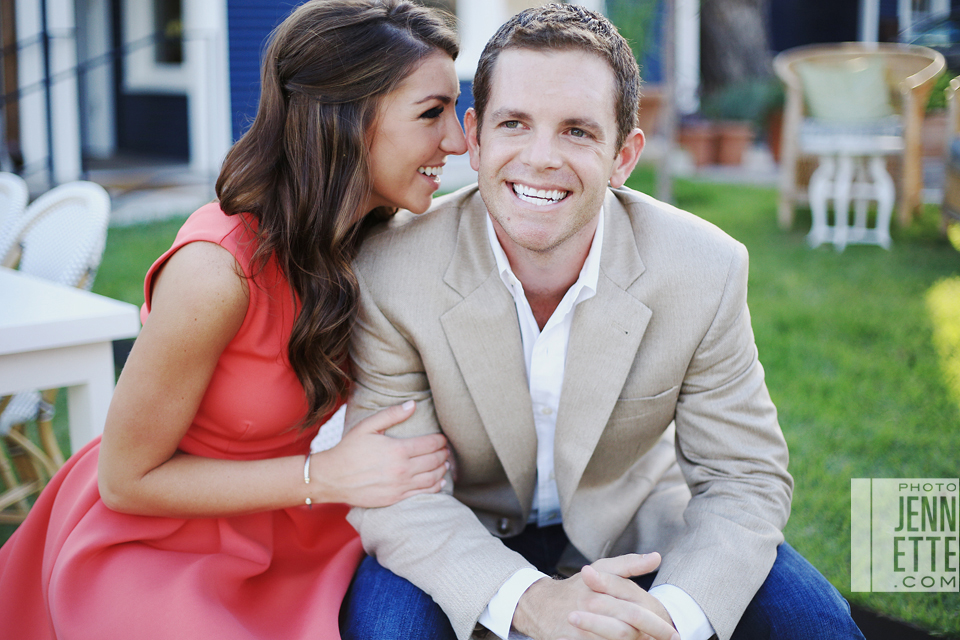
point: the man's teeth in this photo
(538, 196)
(431, 171)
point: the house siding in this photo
(799, 22)
(249, 25)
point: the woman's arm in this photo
(198, 304)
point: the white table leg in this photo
(89, 402)
(841, 201)
(883, 185)
(88, 372)
(862, 194)
(820, 190)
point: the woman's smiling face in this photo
(416, 129)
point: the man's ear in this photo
(627, 158)
(472, 133)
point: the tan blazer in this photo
(666, 339)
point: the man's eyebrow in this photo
(583, 123)
(507, 113)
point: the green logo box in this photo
(903, 534)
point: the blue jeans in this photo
(794, 602)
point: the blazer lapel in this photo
(484, 335)
(607, 330)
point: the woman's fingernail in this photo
(447, 464)
(443, 482)
(409, 404)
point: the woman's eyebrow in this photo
(445, 99)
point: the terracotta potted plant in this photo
(934, 133)
(738, 111)
(651, 104)
(637, 22)
(734, 137)
(732, 113)
(770, 115)
(698, 137)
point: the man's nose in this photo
(542, 151)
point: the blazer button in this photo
(503, 526)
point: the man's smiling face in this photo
(548, 147)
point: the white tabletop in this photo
(53, 336)
(36, 314)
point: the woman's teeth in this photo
(538, 196)
(431, 171)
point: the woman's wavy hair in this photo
(302, 168)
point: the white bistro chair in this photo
(60, 238)
(853, 106)
(13, 206)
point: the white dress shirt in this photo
(545, 354)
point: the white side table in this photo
(55, 336)
(852, 167)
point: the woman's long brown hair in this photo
(302, 169)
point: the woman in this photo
(208, 517)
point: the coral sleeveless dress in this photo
(76, 569)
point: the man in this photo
(556, 330)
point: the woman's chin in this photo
(417, 207)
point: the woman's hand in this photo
(370, 469)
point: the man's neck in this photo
(547, 275)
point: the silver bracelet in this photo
(306, 477)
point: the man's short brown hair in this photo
(562, 27)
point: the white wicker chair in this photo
(911, 72)
(13, 205)
(950, 211)
(61, 238)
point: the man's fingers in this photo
(613, 585)
(638, 623)
(600, 625)
(627, 602)
(629, 565)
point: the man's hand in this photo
(600, 601)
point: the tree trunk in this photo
(734, 45)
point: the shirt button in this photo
(546, 411)
(503, 526)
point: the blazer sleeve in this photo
(734, 458)
(443, 548)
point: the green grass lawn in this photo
(862, 355)
(130, 252)
(861, 351)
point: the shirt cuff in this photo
(688, 618)
(498, 616)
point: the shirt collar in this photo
(586, 283)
